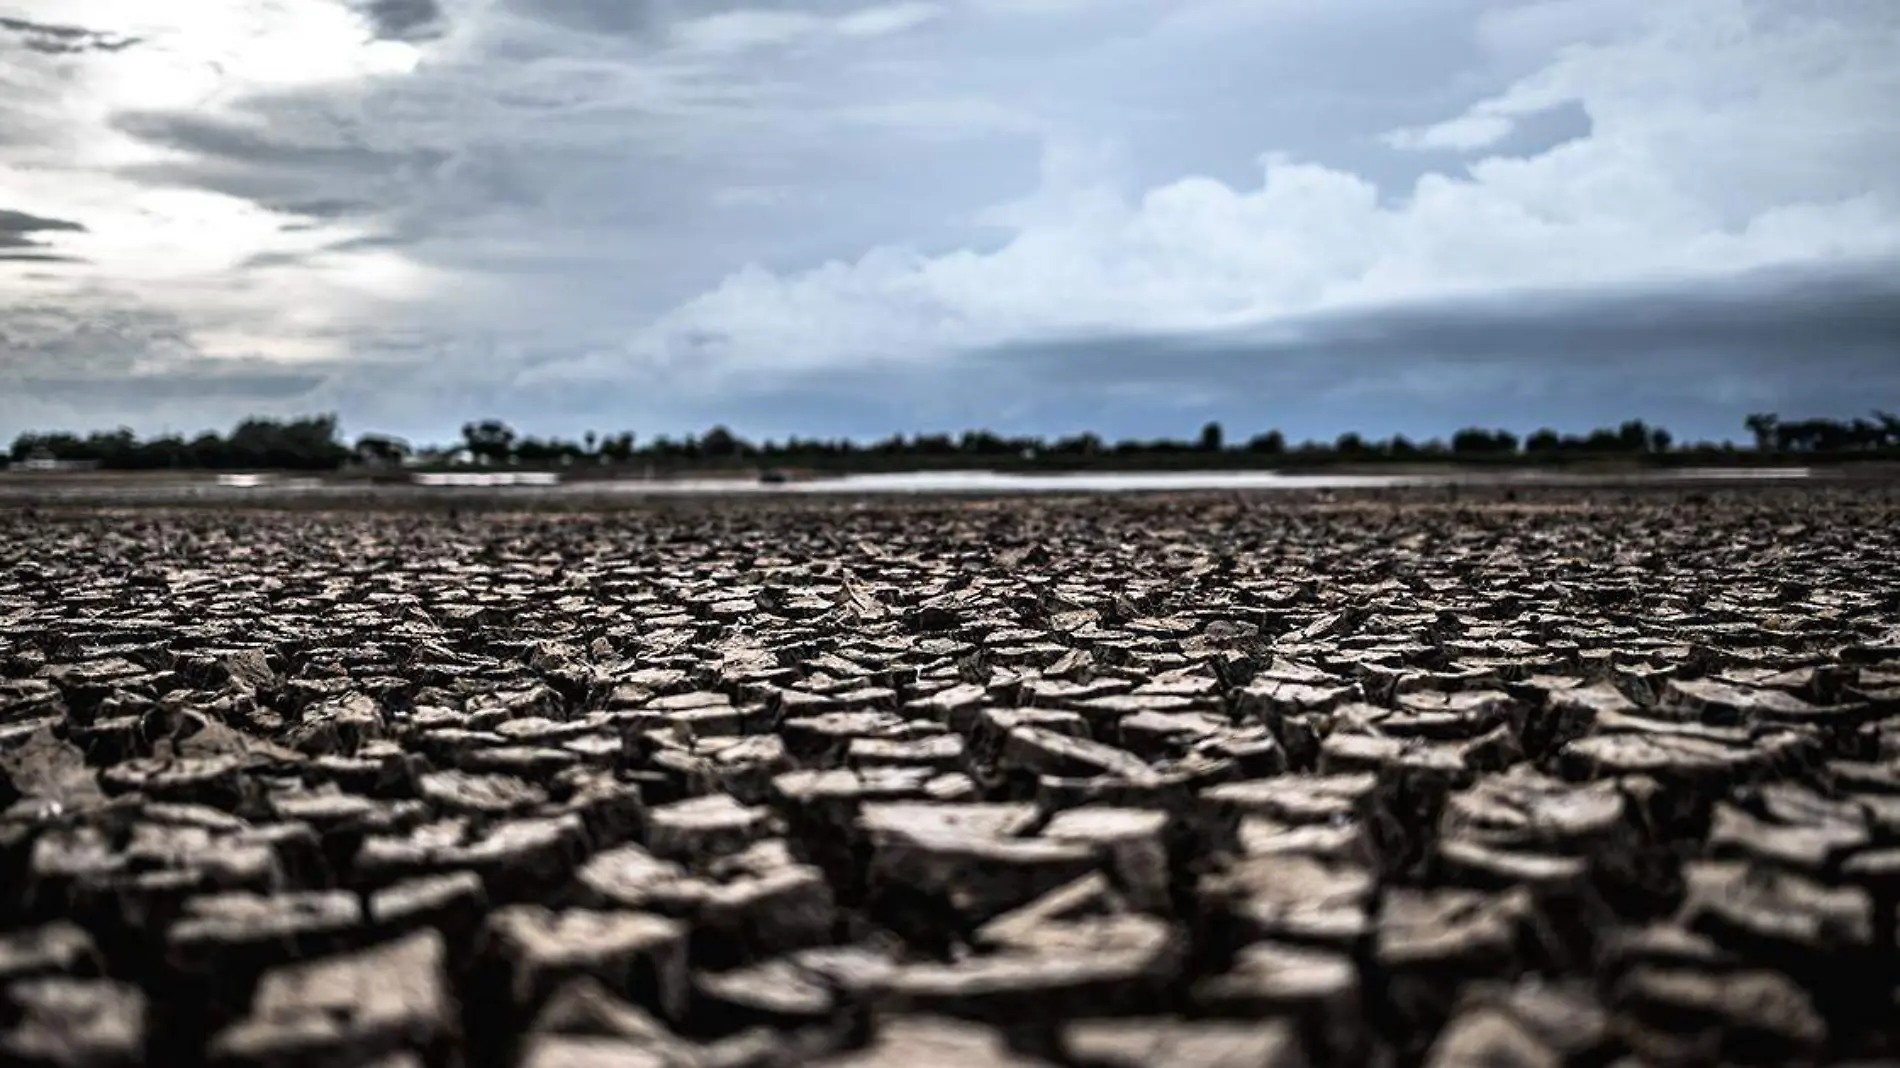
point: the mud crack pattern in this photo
(1572, 780)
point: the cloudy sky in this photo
(860, 216)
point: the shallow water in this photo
(525, 486)
(1147, 482)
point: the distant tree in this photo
(207, 450)
(1473, 441)
(1889, 429)
(490, 440)
(311, 443)
(114, 449)
(1271, 443)
(617, 448)
(1601, 440)
(381, 449)
(167, 452)
(535, 451)
(1797, 436)
(1764, 426)
(720, 444)
(307, 443)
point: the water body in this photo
(526, 487)
(994, 482)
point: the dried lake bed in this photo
(1588, 776)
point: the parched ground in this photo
(1579, 779)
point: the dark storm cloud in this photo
(55, 39)
(1697, 357)
(403, 20)
(15, 226)
(242, 144)
(323, 173)
(1768, 315)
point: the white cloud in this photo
(1727, 136)
(1476, 129)
(181, 247)
(889, 18)
(1546, 26)
(737, 31)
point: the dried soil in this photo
(1578, 778)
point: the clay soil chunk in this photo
(923, 1042)
(1070, 968)
(700, 829)
(1319, 989)
(747, 906)
(963, 861)
(57, 949)
(1188, 1044)
(73, 1023)
(384, 999)
(638, 956)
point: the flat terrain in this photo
(1576, 778)
(584, 489)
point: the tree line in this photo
(310, 443)
(313, 443)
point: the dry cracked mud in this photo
(1576, 779)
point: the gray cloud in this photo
(320, 169)
(56, 39)
(16, 226)
(725, 214)
(1691, 355)
(321, 146)
(1770, 312)
(268, 385)
(647, 18)
(325, 209)
(404, 20)
(591, 16)
(354, 244)
(1694, 358)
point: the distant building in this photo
(42, 460)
